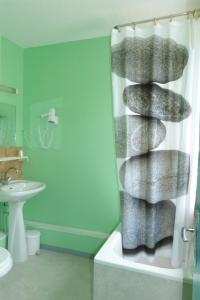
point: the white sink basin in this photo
(15, 194)
(20, 190)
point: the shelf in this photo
(8, 89)
(4, 159)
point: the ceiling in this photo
(32, 23)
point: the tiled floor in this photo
(49, 276)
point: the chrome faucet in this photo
(7, 179)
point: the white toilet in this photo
(5, 262)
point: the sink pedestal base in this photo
(17, 234)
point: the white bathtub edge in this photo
(106, 256)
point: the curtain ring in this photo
(133, 26)
(117, 28)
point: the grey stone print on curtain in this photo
(149, 178)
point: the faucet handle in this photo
(6, 180)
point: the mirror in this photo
(7, 125)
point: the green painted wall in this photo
(80, 171)
(11, 74)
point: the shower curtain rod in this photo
(194, 13)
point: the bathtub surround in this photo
(138, 276)
(152, 73)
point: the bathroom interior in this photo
(99, 144)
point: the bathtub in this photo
(136, 277)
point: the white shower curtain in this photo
(156, 97)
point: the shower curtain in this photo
(156, 97)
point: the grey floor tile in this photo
(49, 276)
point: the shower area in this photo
(156, 93)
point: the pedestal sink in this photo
(16, 193)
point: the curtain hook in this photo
(194, 13)
(155, 21)
(171, 19)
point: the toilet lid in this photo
(5, 262)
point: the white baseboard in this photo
(70, 230)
